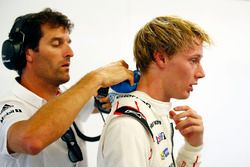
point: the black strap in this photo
(137, 115)
(84, 137)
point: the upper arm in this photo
(126, 143)
(11, 116)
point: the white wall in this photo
(104, 32)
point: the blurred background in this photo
(104, 32)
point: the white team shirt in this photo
(21, 105)
(126, 143)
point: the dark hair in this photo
(33, 33)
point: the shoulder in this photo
(10, 102)
(124, 143)
(10, 107)
(125, 129)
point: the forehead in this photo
(49, 31)
(195, 50)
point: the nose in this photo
(200, 72)
(68, 51)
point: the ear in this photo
(160, 59)
(29, 55)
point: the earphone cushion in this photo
(125, 87)
(10, 54)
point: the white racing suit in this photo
(139, 133)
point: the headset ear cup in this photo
(12, 48)
(10, 54)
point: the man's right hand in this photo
(114, 73)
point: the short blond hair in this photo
(168, 33)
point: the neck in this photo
(151, 84)
(41, 88)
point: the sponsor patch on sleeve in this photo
(8, 110)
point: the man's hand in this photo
(114, 73)
(102, 104)
(106, 103)
(189, 123)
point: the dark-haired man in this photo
(36, 117)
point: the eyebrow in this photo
(60, 39)
(197, 56)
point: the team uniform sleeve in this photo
(189, 156)
(10, 112)
(126, 144)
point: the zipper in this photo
(172, 141)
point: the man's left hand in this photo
(189, 123)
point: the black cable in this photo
(102, 117)
(102, 92)
(84, 137)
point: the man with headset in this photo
(36, 117)
(139, 130)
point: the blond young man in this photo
(139, 130)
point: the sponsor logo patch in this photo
(128, 96)
(156, 122)
(8, 112)
(5, 107)
(164, 154)
(138, 114)
(161, 136)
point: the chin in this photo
(187, 96)
(183, 96)
(64, 80)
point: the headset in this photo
(12, 48)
